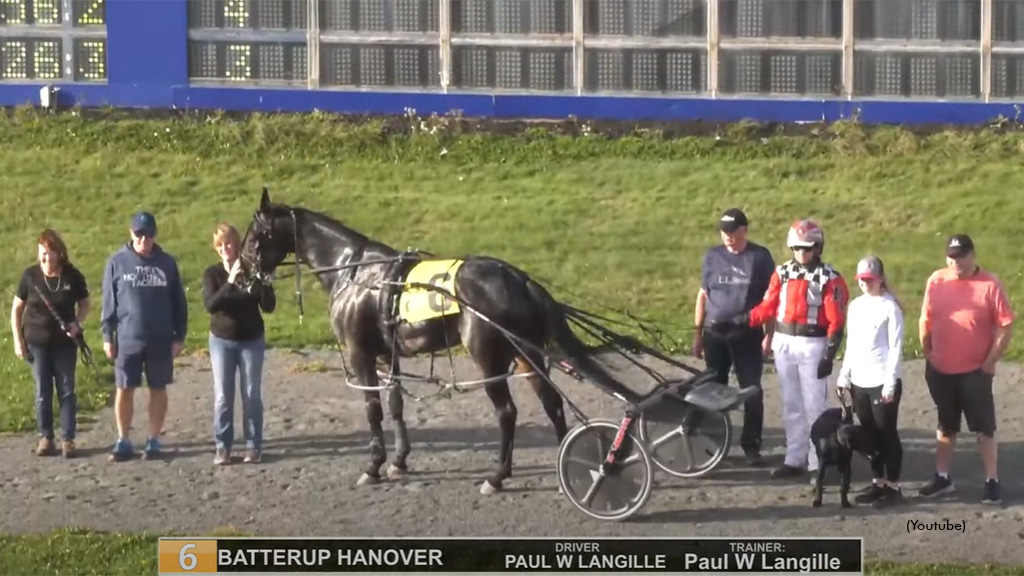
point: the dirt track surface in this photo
(317, 443)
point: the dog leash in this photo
(78, 339)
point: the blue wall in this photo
(147, 56)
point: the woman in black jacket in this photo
(237, 346)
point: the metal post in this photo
(444, 27)
(712, 47)
(986, 49)
(848, 16)
(313, 44)
(578, 62)
(67, 42)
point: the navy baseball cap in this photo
(144, 224)
(732, 220)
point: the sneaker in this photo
(887, 497)
(253, 456)
(122, 451)
(67, 448)
(754, 456)
(222, 457)
(152, 449)
(870, 494)
(46, 447)
(936, 487)
(786, 471)
(993, 493)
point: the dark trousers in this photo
(744, 354)
(53, 367)
(881, 420)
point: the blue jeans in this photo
(244, 358)
(54, 367)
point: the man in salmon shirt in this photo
(965, 327)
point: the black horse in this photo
(363, 279)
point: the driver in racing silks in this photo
(808, 299)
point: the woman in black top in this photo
(41, 339)
(237, 345)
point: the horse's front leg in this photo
(396, 405)
(366, 371)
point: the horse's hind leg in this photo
(505, 409)
(396, 406)
(550, 399)
(366, 371)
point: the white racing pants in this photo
(804, 395)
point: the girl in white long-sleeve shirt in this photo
(871, 372)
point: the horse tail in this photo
(560, 334)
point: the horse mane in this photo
(326, 220)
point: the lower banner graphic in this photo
(775, 556)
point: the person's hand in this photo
(887, 398)
(697, 349)
(236, 269)
(176, 348)
(74, 329)
(766, 347)
(741, 320)
(19, 348)
(824, 368)
(988, 367)
(110, 349)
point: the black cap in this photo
(959, 245)
(731, 220)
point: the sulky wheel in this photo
(686, 441)
(618, 494)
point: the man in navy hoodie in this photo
(143, 321)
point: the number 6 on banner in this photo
(187, 556)
(186, 559)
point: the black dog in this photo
(835, 439)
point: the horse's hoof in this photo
(367, 480)
(487, 490)
(395, 473)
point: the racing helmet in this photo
(805, 233)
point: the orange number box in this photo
(187, 556)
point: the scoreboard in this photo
(60, 40)
(438, 556)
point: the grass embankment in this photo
(85, 553)
(618, 221)
(621, 221)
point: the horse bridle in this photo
(265, 229)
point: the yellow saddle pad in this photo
(418, 304)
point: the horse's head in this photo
(269, 239)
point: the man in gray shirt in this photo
(144, 321)
(734, 278)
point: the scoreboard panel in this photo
(53, 40)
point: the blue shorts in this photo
(155, 361)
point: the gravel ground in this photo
(317, 445)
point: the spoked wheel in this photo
(616, 495)
(686, 441)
